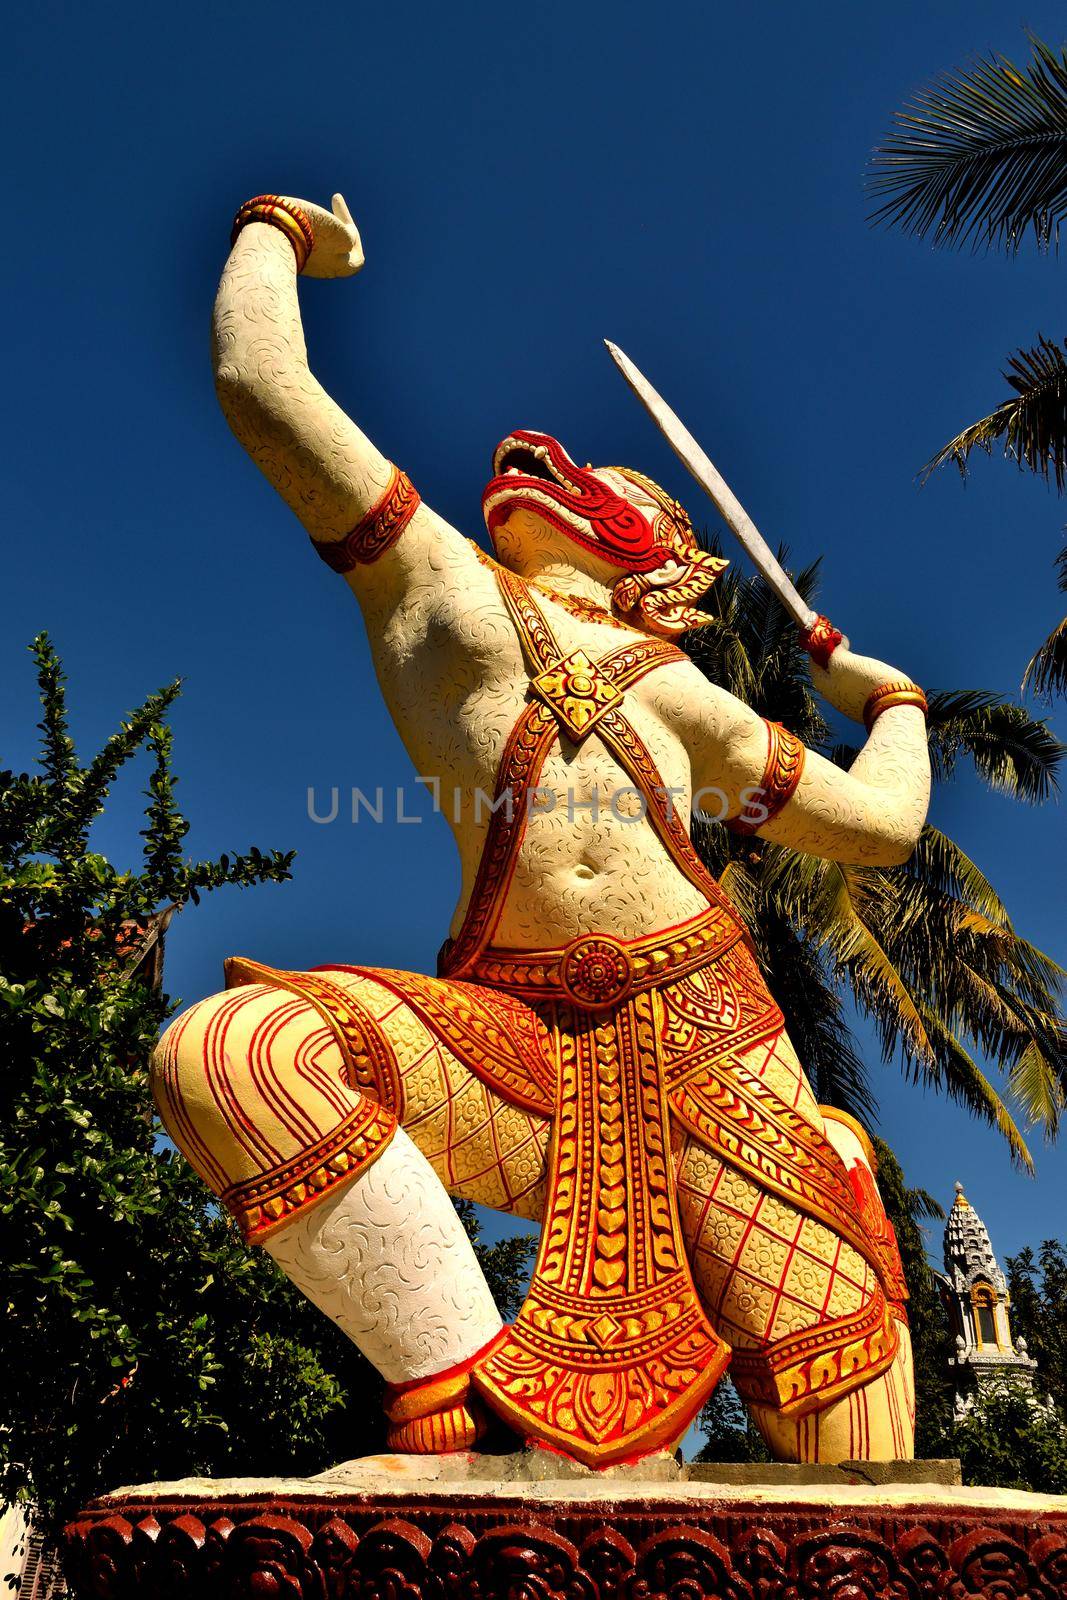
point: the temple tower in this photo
(976, 1293)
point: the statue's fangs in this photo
(598, 1051)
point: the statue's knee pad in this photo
(250, 1086)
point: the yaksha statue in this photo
(598, 1051)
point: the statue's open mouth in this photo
(533, 471)
(519, 456)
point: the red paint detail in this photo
(619, 533)
(821, 640)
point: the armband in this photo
(785, 763)
(821, 640)
(901, 693)
(375, 533)
(283, 215)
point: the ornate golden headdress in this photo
(663, 598)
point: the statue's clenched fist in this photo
(337, 252)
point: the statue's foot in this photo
(435, 1416)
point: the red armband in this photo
(375, 533)
(785, 763)
(821, 640)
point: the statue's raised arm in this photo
(364, 516)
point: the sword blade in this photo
(715, 487)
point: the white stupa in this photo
(976, 1293)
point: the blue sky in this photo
(685, 179)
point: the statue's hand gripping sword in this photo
(819, 638)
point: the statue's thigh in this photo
(763, 1269)
(481, 1146)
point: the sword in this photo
(718, 490)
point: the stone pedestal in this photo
(404, 1528)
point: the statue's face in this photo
(538, 499)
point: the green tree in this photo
(1038, 1290)
(729, 1434)
(979, 157)
(1006, 1442)
(141, 1338)
(506, 1264)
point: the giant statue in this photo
(598, 1051)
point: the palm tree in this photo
(927, 951)
(979, 156)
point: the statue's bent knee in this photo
(249, 1085)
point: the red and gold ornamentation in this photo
(900, 693)
(596, 971)
(811, 1370)
(782, 773)
(652, 960)
(614, 1346)
(854, 1125)
(590, 1054)
(264, 1203)
(290, 219)
(668, 608)
(375, 533)
(611, 1354)
(436, 1415)
(872, 1213)
(369, 1061)
(578, 691)
(583, 609)
(821, 640)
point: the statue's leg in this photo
(766, 1274)
(873, 1423)
(254, 1088)
(774, 1279)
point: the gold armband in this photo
(785, 763)
(280, 214)
(821, 640)
(375, 533)
(901, 693)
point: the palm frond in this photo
(834, 921)
(1032, 423)
(1014, 752)
(940, 863)
(1036, 1081)
(927, 951)
(979, 155)
(963, 1079)
(921, 1203)
(815, 1019)
(1046, 673)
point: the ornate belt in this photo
(596, 970)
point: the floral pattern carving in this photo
(483, 1548)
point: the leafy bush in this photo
(141, 1338)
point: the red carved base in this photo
(474, 1546)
